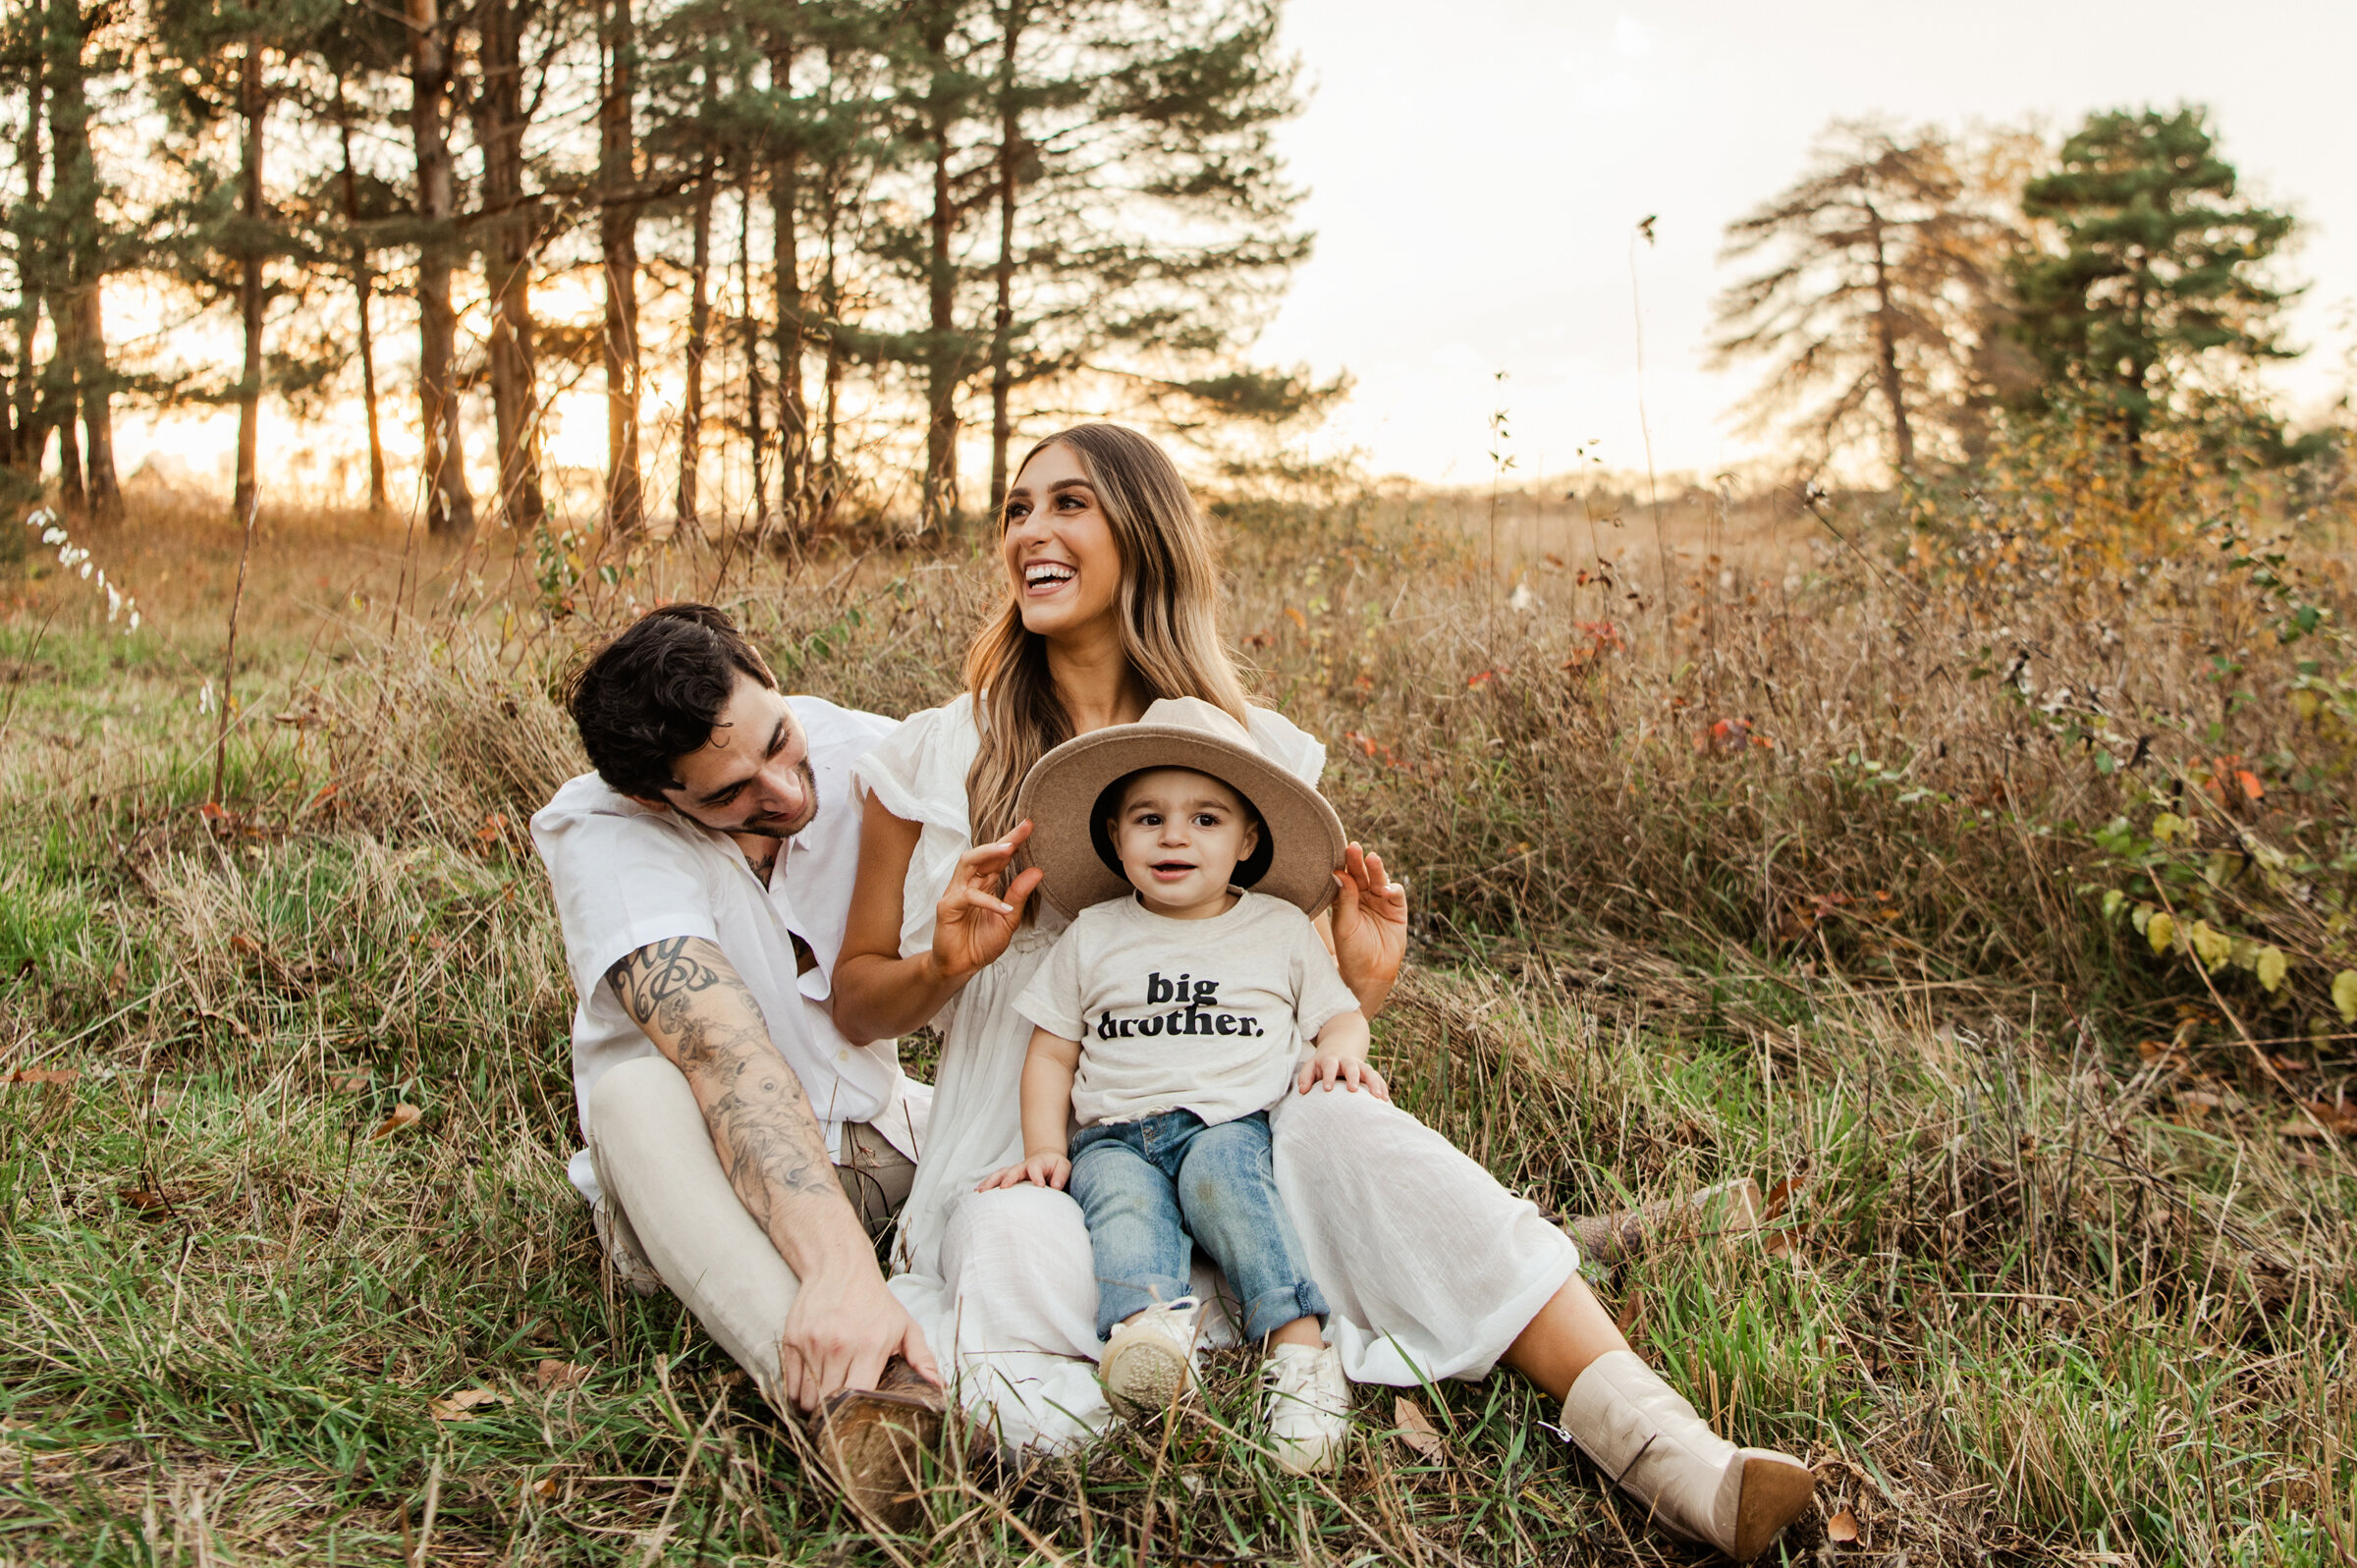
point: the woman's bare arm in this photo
(877, 993)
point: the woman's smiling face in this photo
(1061, 557)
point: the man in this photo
(739, 1144)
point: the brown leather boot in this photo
(874, 1442)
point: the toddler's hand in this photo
(1351, 1071)
(1040, 1170)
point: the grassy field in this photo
(1837, 868)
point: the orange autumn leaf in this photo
(404, 1115)
(1841, 1527)
(1416, 1430)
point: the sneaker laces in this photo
(1296, 1377)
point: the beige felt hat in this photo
(1301, 840)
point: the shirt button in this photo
(843, 1056)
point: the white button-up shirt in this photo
(627, 875)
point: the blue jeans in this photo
(1147, 1185)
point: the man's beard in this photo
(775, 826)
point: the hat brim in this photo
(1060, 798)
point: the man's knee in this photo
(629, 1091)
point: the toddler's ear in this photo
(1251, 845)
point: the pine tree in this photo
(88, 248)
(2159, 264)
(1882, 266)
(450, 504)
(509, 228)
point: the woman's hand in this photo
(1043, 1169)
(1370, 928)
(973, 923)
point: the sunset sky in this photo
(1477, 173)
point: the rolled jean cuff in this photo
(1119, 1300)
(1272, 1310)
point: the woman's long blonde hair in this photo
(1170, 621)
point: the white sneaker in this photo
(622, 1248)
(1308, 1406)
(1149, 1362)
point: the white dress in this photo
(1431, 1268)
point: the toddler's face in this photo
(1179, 834)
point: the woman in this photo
(1431, 1266)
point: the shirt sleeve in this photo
(1287, 744)
(1053, 1000)
(918, 768)
(621, 883)
(1319, 994)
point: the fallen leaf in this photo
(149, 1202)
(1780, 1197)
(245, 945)
(350, 1082)
(403, 1114)
(554, 1374)
(1630, 1311)
(544, 1489)
(461, 1405)
(41, 1075)
(2340, 1118)
(234, 1026)
(1841, 1527)
(1416, 1430)
(2297, 1128)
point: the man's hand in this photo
(1047, 1168)
(973, 923)
(1370, 928)
(841, 1332)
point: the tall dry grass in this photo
(1788, 866)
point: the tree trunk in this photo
(831, 378)
(508, 267)
(105, 496)
(618, 238)
(939, 505)
(448, 506)
(794, 414)
(363, 283)
(26, 434)
(70, 493)
(249, 276)
(784, 202)
(1886, 336)
(80, 316)
(1002, 329)
(700, 340)
(751, 324)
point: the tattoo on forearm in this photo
(768, 1141)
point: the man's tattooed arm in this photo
(683, 993)
(844, 1327)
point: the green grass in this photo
(2025, 1300)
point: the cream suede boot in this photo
(1659, 1451)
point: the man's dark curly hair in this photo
(653, 694)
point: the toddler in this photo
(1168, 1019)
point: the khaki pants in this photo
(668, 1203)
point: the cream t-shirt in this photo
(1201, 1015)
